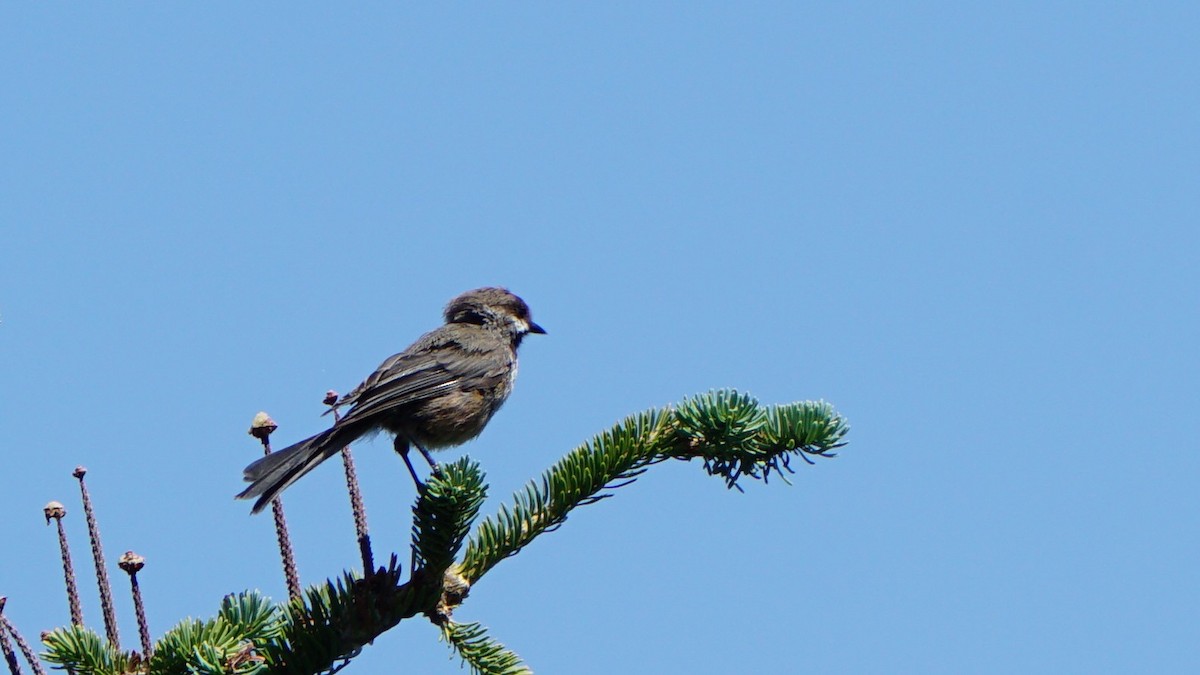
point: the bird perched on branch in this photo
(438, 393)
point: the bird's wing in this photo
(387, 366)
(414, 375)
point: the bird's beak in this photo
(534, 328)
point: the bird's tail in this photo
(271, 474)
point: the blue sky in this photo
(972, 229)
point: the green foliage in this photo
(610, 460)
(810, 427)
(223, 645)
(731, 433)
(736, 437)
(83, 652)
(444, 513)
(310, 642)
(335, 619)
(484, 655)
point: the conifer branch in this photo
(730, 432)
(81, 651)
(321, 631)
(444, 512)
(484, 655)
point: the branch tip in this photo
(262, 426)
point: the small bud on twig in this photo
(133, 563)
(262, 426)
(54, 510)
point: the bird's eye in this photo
(471, 317)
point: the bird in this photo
(439, 392)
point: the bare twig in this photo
(10, 657)
(30, 657)
(56, 511)
(133, 563)
(261, 428)
(361, 533)
(106, 601)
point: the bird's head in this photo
(494, 308)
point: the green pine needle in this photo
(444, 513)
(484, 655)
(83, 652)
